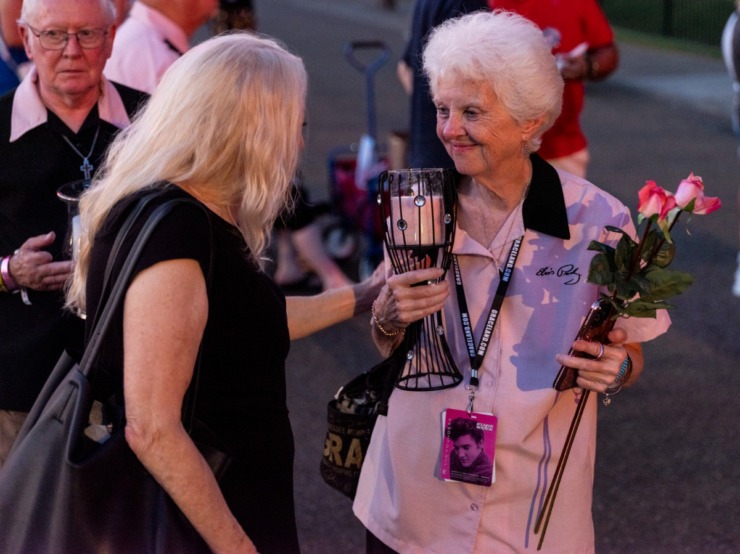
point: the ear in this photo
(26, 37)
(531, 126)
(109, 40)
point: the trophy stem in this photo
(429, 364)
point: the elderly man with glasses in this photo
(54, 130)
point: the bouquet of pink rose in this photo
(637, 277)
(636, 274)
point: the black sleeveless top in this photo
(242, 393)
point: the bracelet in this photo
(622, 377)
(376, 322)
(5, 278)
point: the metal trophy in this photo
(417, 208)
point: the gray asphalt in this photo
(667, 457)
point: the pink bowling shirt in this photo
(401, 498)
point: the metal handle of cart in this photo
(368, 69)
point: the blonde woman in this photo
(223, 128)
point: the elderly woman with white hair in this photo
(497, 89)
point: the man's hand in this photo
(34, 268)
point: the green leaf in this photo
(613, 229)
(601, 247)
(650, 243)
(665, 255)
(642, 308)
(599, 272)
(626, 290)
(625, 253)
(666, 283)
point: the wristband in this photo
(6, 280)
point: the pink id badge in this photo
(468, 447)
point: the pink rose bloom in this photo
(692, 188)
(689, 189)
(654, 200)
(706, 204)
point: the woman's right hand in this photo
(403, 300)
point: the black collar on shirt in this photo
(544, 208)
(173, 47)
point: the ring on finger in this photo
(601, 351)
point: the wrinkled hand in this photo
(401, 303)
(33, 267)
(597, 373)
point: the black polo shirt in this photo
(32, 168)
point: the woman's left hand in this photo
(599, 369)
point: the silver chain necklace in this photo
(86, 166)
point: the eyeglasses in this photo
(56, 39)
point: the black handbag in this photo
(63, 492)
(351, 417)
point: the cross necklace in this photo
(86, 166)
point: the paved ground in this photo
(667, 465)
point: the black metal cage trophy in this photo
(417, 208)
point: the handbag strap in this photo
(122, 281)
(120, 237)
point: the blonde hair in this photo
(505, 50)
(225, 122)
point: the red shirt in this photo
(574, 21)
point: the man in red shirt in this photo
(583, 42)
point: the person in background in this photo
(155, 34)
(13, 60)
(583, 41)
(424, 148)
(54, 129)
(301, 255)
(497, 89)
(235, 14)
(14, 63)
(731, 55)
(122, 9)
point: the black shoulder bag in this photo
(64, 492)
(351, 417)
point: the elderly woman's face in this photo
(477, 131)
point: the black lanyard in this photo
(476, 356)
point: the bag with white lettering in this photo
(351, 417)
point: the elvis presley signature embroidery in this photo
(568, 271)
